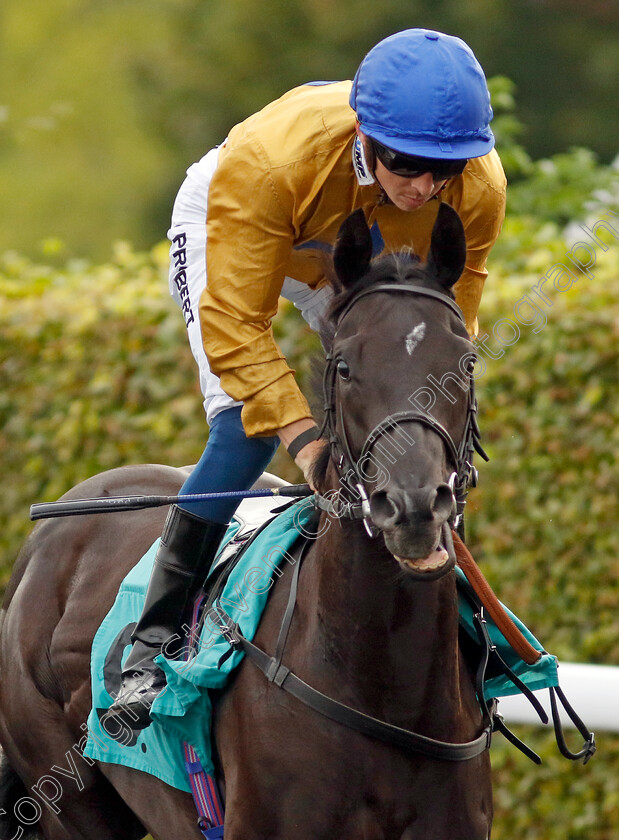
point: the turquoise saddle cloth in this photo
(182, 713)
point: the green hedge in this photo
(544, 515)
(89, 355)
(95, 372)
(542, 523)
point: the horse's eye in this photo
(343, 369)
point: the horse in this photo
(375, 623)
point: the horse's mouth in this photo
(435, 565)
(422, 556)
(432, 563)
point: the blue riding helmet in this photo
(424, 93)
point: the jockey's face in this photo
(407, 194)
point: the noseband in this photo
(460, 456)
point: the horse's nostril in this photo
(389, 509)
(443, 502)
(382, 510)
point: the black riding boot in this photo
(188, 546)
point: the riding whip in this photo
(111, 504)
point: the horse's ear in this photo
(353, 249)
(447, 247)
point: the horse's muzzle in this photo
(414, 526)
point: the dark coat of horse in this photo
(375, 627)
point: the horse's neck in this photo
(390, 643)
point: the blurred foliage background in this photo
(103, 107)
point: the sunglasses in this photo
(409, 166)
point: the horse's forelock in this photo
(402, 267)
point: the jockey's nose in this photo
(395, 506)
(424, 184)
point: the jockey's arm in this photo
(250, 237)
(306, 456)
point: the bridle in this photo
(461, 457)
(352, 500)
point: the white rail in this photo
(592, 690)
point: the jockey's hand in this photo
(305, 457)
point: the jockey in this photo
(256, 216)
